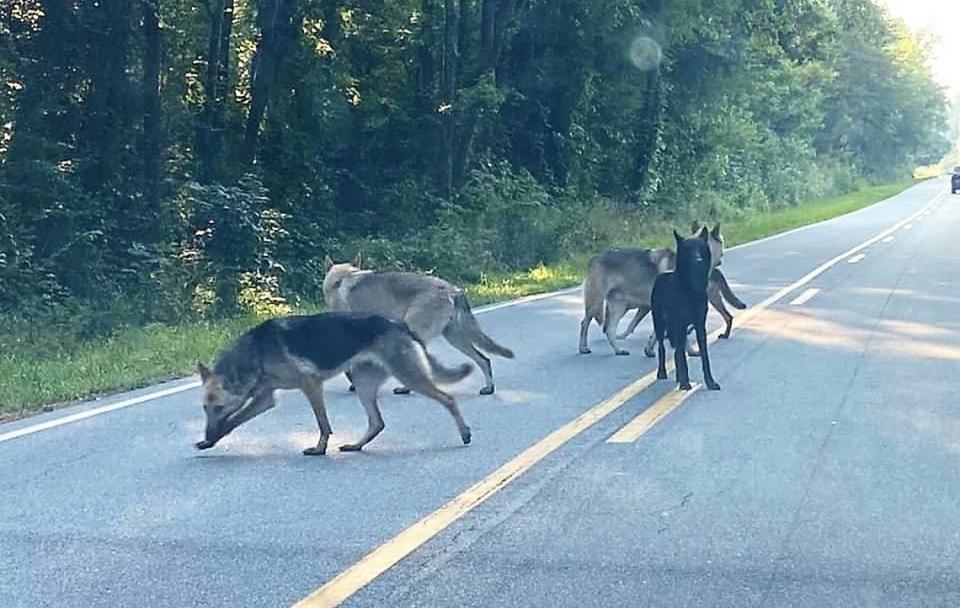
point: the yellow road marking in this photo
(652, 415)
(384, 557)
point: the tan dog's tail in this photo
(468, 323)
(728, 294)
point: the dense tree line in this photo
(162, 158)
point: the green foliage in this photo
(525, 132)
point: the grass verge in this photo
(31, 379)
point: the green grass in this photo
(31, 378)
(765, 224)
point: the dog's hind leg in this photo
(351, 388)
(414, 373)
(313, 389)
(616, 307)
(369, 378)
(716, 300)
(692, 350)
(641, 313)
(705, 358)
(463, 344)
(584, 328)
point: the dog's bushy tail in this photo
(725, 290)
(469, 325)
(447, 375)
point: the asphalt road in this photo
(825, 473)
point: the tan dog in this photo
(428, 305)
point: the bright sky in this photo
(942, 18)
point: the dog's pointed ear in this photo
(204, 372)
(704, 234)
(716, 231)
(694, 227)
(677, 237)
(327, 263)
(358, 262)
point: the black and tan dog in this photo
(301, 352)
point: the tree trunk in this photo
(210, 136)
(278, 28)
(151, 104)
(463, 33)
(449, 91)
(106, 109)
(497, 19)
(648, 133)
(487, 28)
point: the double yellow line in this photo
(391, 552)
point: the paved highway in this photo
(825, 473)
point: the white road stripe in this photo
(888, 239)
(804, 297)
(856, 258)
(119, 405)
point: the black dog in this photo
(679, 300)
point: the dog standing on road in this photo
(619, 280)
(300, 352)
(428, 305)
(679, 300)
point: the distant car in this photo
(955, 181)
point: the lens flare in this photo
(645, 53)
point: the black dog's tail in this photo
(725, 290)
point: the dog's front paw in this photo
(685, 386)
(350, 447)
(622, 352)
(661, 374)
(585, 351)
(204, 445)
(487, 390)
(712, 385)
(315, 451)
(465, 436)
(401, 390)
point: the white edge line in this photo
(805, 297)
(119, 405)
(857, 258)
(28, 430)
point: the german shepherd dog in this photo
(619, 280)
(301, 352)
(428, 305)
(679, 300)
